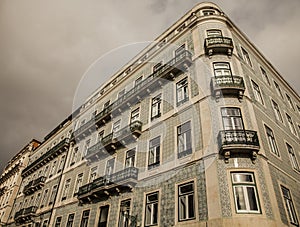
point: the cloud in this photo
(46, 46)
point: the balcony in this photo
(25, 215)
(241, 142)
(113, 141)
(34, 185)
(92, 125)
(108, 185)
(218, 45)
(61, 147)
(228, 86)
(168, 71)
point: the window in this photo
(182, 94)
(244, 190)
(103, 218)
(277, 111)
(121, 93)
(208, 12)
(222, 69)
(100, 135)
(291, 124)
(57, 222)
(37, 199)
(45, 223)
(66, 190)
(94, 113)
(61, 164)
(278, 89)
(246, 57)
(214, 33)
(232, 118)
(135, 115)
(155, 107)
(138, 81)
(151, 214)
(186, 204)
(290, 101)
(45, 196)
(70, 220)
(130, 158)
(110, 165)
(124, 215)
(52, 171)
(78, 183)
(184, 139)
(46, 171)
(272, 141)
(180, 50)
(293, 158)
(265, 75)
(106, 104)
(53, 194)
(157, 66)
(257, 93)
(86, 147)
(289, 205)
(93, 174)
(74, 156)
(154, 153)
(82, 122)
(85, 218)
(116, 126)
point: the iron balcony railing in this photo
(34, 185)
(48, 156)
(218, 45)
(238, 137)
(25, 214)
(221, 82)
(123, 176)
(114, 139)
(228, 85)
(166, 71)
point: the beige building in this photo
(199, 129)
(11, 179)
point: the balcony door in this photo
(103, 218)
(222, 69)
(110, 165)
(232, 118)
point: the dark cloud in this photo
(46, 46)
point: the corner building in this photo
(11, 179)
(199, 129)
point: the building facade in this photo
(11, 179)
(199, 129)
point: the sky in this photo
(47, 46)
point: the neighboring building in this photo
(198, 130)
(10, 180)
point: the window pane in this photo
(252, 198)
(240, 199)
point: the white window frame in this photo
(182, 91)
(272, 141)
(150, 208)
(257, 92)
(184, 197)
(293, 158)
(277, 112)
(245, 185)
(289, 206)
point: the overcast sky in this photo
(46, 46)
